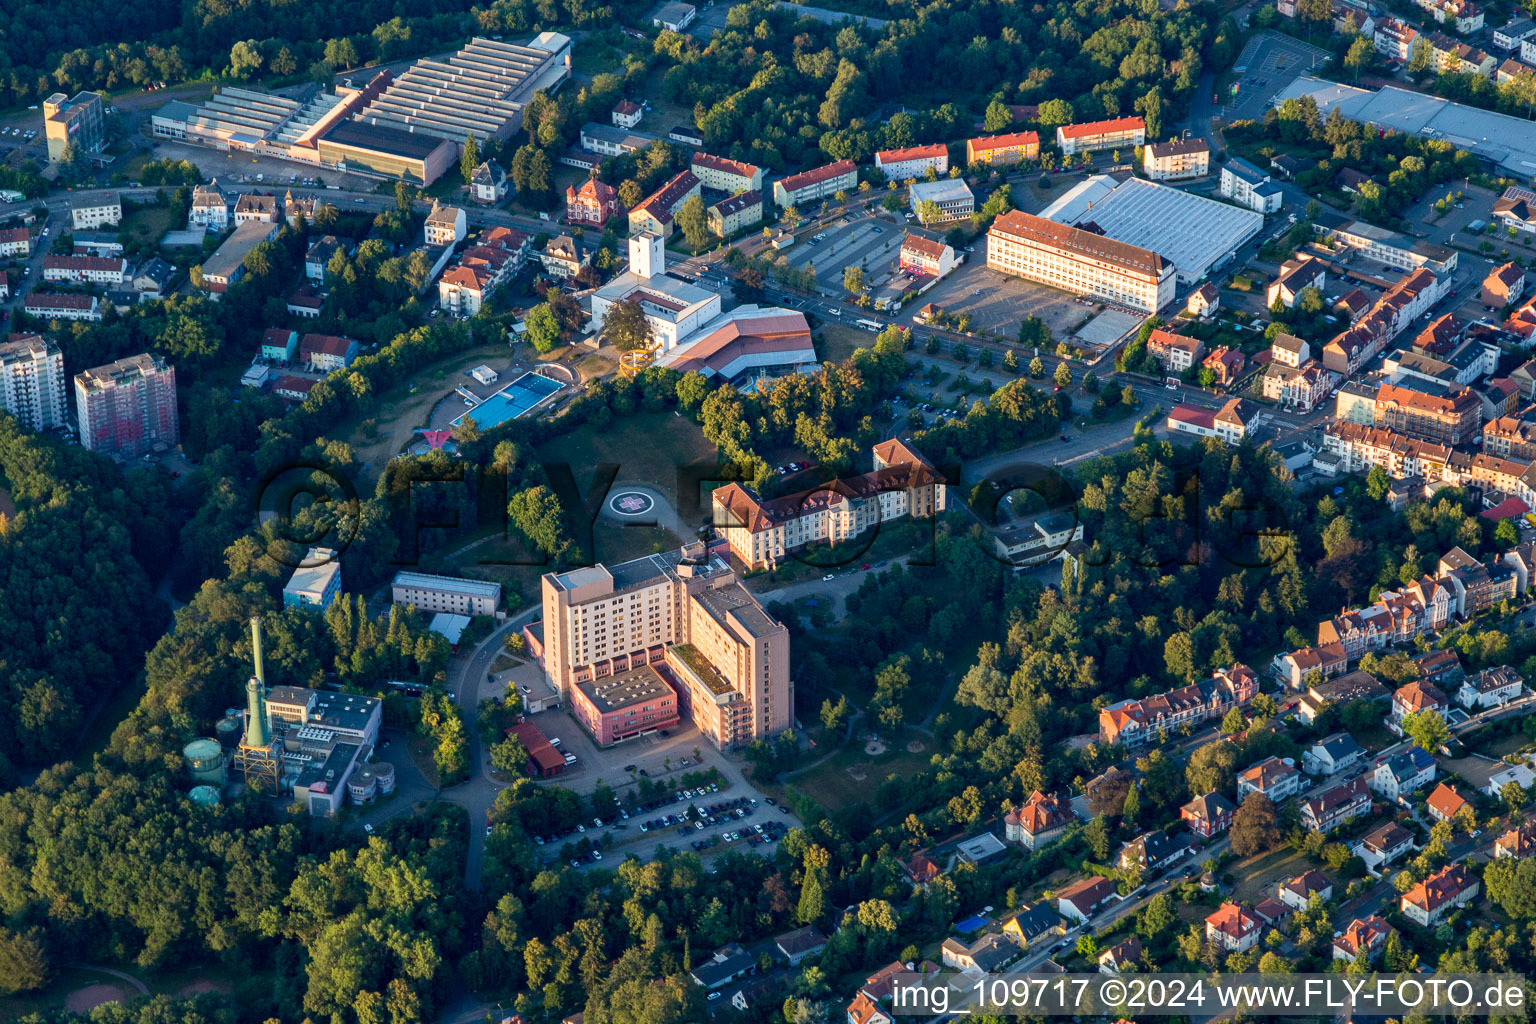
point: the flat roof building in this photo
(316, 581)
(32, 381)
(620, 707)
(684, 610)
(227, 263)
(746, 345)
(1196, 234)
(128, 407)
(480, 90)
(380, 148)
(451, 594)
(76, 121)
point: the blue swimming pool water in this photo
(511, 401)
(970, 924)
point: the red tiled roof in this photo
(720, 163)
(1028, 227)
(930, 247)
(795, 182)
(1118, 124)
(1009, 141)
(896, 156)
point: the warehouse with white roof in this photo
(1197, 235)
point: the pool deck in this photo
(506, 406)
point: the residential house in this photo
(1520, 774)
(1445, 803)
(727, 176)
(257, 207)
(1116, 133)
(1383, 845)
(210, 208)
(1414, 698)
(1226, 365)
(1233, 928)
(1296, 275)
(591, 204)
(1298, 388)
(800, 944)
(1329, 809)
(727, 964)
(1364, 936)
(736, 213)
(1503, 286)
(1332, 754)
(1204, 301)
(1402, 775)
(1121, 956)
(1295, 667)
(984, 956)
(1039, 822)
(279, 345)
(564, 256)
(1432, 900)
(1209, 815)
(1518, 843)
(15, 242)
(1080, 900)
(1272, 777)
(1002, 150)
(864, 1010)
(922, 255)
(318, 256)
(1030, 923)
(488, 184)
(654, 213)
(1289, 350)
(305, 301)
(1298, 892)
(1155, 851)
(1174, 352)
(913, 161)
(445, 225)
(1441, 667)
(627, 113)
(1490, 688)
(327, 353)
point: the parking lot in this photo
(1269, 63)
(869, 242)
(997, 303)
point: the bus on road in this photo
(871, 325)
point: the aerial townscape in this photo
(706, 512)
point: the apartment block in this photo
(451, 594)
(85, 269)
(32, 382)
(685, 615)
(210, 207)
(1180, 158)
(1003, 150)
(127, 407)
(1246, 185)
(1116, 133)
(728, 176)
(1136, 723)
(1080, 262)
(94, 212)
(15, 242)
(913, 161)
(445, 225)
(816, 184)
(761, 533)
(740, 211)
(654, 213)
(62, 306)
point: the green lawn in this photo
(147, 224)
(850, 776)
(649, 448)
(1253, 874)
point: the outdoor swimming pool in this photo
(512, 401)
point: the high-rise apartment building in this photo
(32, 381)
(77, 121)
(686, 616)
(127, 407)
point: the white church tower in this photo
(647, 255)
